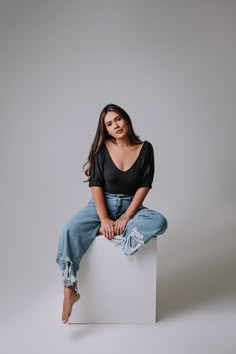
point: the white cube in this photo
(116, 288)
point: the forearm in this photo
(137, 200)
(107, 224)
(98, 197)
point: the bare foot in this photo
(70, 297)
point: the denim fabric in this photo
(81, 229)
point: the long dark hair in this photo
(102, 135)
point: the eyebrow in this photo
(111, 120)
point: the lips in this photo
(119, 131)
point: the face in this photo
(115, 125)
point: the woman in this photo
(120, 171)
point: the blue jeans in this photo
(81, 229)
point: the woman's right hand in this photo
(107, 228)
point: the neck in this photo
(122, 143)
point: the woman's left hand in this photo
(119, 224)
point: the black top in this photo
(105, 174)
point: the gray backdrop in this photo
(171, 65)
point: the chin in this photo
(122, 135)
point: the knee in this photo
(163, 224)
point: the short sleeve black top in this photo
(105, 174)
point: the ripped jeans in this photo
(81, 229)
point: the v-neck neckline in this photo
(131, 165)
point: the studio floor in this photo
(202, 327)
